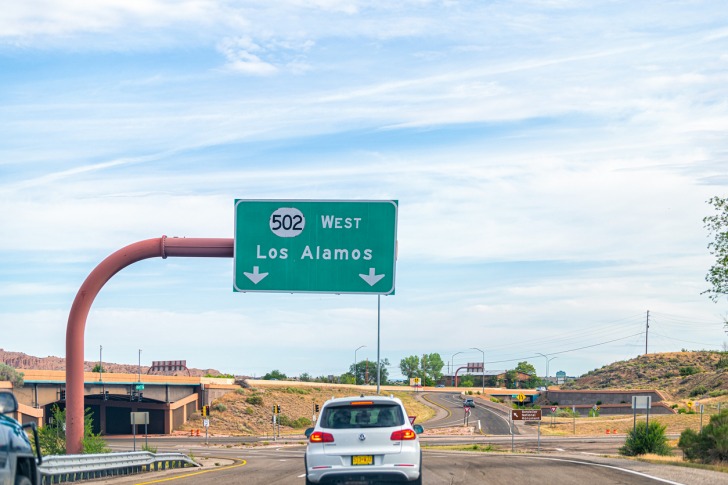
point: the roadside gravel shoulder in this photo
(675, 474)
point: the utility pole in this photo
(647, 329)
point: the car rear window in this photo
(362, 416)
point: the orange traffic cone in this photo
(198, 432)
(192, 432)
(607, 430)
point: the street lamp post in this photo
(101, 347)
(547, 366)
(483, 371)
(356, 365)
(455, 380)
(140, 365)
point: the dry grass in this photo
(676, 423)
(241, 418)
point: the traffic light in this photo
(279, 410)
(106, 395)
(63, 394)
(205, 411)
(276, 409)
(140, 396)
(316, 407)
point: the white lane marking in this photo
(559, 449)
(301, 476)
(626, 470)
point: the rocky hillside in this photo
(19, 360)
(680, 374)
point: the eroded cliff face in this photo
(19, 360)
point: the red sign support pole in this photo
(150, 248)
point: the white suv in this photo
(363, 439)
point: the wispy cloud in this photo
(552, 160)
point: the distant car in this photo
(468, 402)
(542, 389)
(363, 439)
(440, 385)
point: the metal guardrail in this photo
(71, 468)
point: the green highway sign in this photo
(311, 246)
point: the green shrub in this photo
(295, 390)
(302, 423)
(284, 420)
(255, 400)
(711, 444)
(642, 440)
(698, 391)
(8, 373)
(149, 448)
(688, 370)
(240, 391)
(52, 437)
(219, 407)
(249, 411)
(566, 413)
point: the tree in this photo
(97, 368)
(467, 381)
(275, 375)
(432, 365)
(511, 379)
(305, 377)
(8, 373)
(526, 368)
(366, 371)
(410, 366)
(346, 378)
(717, 226)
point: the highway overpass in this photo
(169, 400)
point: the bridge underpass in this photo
(169, 400)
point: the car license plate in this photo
(362, 460)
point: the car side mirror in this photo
(418, 428)
(8, 403)
(308, 432)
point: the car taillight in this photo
(403, 434)
(321, 437)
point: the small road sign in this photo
(521, 397)
(206, 423)
(553, 409)
(295, 246)
(526, 414)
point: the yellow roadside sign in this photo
(521, 397)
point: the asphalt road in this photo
(493, 421)
(284, 465)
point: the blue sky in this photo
(551, 159)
